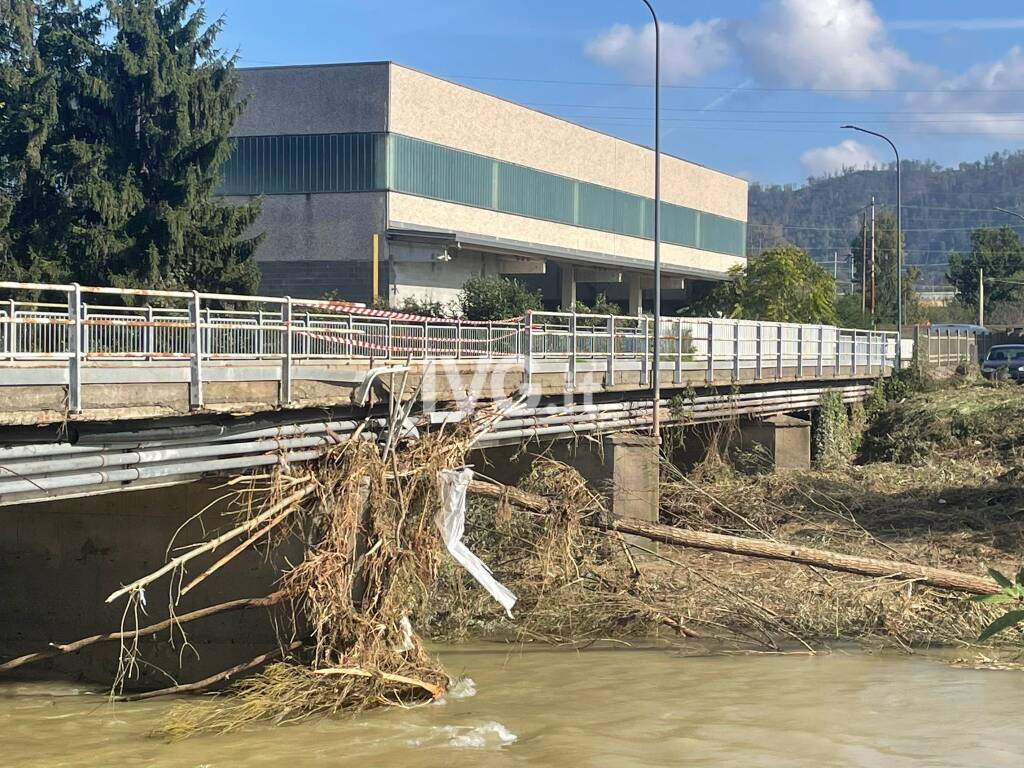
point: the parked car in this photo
(1008, 357)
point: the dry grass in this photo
(957, 513)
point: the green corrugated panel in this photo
(722, 235)
(276, 165)
(533, 193)
(634, 215)
(422, 168)
(597, 206)
(359, 162)
(678, 225)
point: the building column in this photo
(636, 294)
(568, 281)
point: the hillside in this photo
(940, 208)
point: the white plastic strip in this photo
(451, 522)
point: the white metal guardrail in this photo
(77, 325)
(741, 349)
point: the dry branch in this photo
(209, 546)
(434, 690)
(152, 629)
(212, 680)
(768, 550)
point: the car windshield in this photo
(997, 354)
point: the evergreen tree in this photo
(1000, 254)
(112, 152)
(27, 115)
(172, 103)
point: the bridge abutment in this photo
(60, 560)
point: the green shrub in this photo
(601, 306)
(831, 445)
(497, 298)
(426, 308)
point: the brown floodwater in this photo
(617, 706)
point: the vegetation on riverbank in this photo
(930, 478)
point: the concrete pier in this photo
(785, 440)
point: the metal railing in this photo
(196, 328)
(947, 349)
(737, 350)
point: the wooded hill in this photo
(941, 206)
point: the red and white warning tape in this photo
(388, 314)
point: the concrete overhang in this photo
(519, 248)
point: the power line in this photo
(889, 113)
(730, 88)
(796, 121)
(697, 125)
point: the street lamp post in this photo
(656, 373)
(1012, 213)
(899, 239)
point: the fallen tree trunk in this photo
(152, 629)
(759, 548)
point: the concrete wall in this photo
(428, 108)
(418, 272)
(333, 98)
(307, 236)
(412, 211)
(60, 560)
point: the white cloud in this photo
(824, 44)
(847, 154)
(687, 52)
(977, 100)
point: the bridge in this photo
(163, 393)
(106, 388)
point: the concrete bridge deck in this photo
(152, 354)
(141, 388)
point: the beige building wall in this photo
(420, 211)
(431, 109)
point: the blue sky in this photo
(757, 88)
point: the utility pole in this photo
(863, 263)
(872, 257)
(981, 297)
(835, 266)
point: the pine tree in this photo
(110, 152)
(27, 116)
(172, 102)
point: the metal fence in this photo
(742, 349)
(196, 328)
(947, 348)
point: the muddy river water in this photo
(616, 706)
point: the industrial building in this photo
(379, 180)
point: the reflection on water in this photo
(600, 707)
